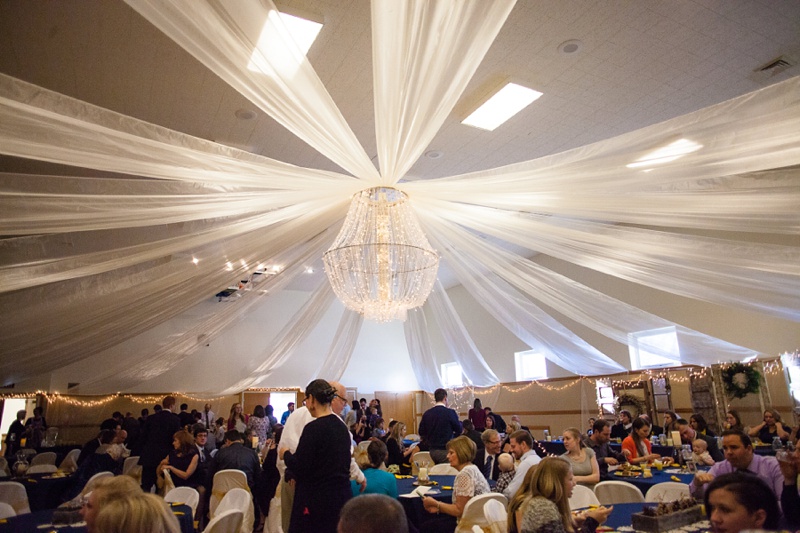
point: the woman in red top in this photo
(477, 415)
(636, 446)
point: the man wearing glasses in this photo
(486, 458)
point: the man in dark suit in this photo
(486, 458)
(235, 456)
(622, 429)
(438, 426)
(156, 440)
(472, 433)
(689, 435)
(186, 418)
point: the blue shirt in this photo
(378, 482)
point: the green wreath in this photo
(740, 380)
(630, 400)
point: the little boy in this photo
(505, 463)
(700, 453)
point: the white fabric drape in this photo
(423, 56)
(459, 344)
(419, 351)
(342, 346)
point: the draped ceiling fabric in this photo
(87, 254)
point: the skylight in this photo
(667, 153)
(270, 49)
(505, 103)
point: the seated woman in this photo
(106, 490)
(734, 421)
(585, 469)
(468, 483)
(636, 446)
(670, 423)
(137, 513)
(181, 461)
(378, 481)
(771, 427)
(542, 502)
(699, 424)
(360, 430)
(739, 501)
(511, 427)
(398, 454)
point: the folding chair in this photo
(474, 514)
(611, 492)
(582, 497)
(44, 458)
(14, 494)
(227, 522)
(668, 491)
(240, 500)
(442, 469)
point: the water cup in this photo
(423, 474)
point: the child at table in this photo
(700, 453)
(505, 463)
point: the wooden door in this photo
(398, 406)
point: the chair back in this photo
(186, 495)
(420, 458)
(611, 492)
(497, 516)
(129, 464)
(70, 462)
(14, 494)
(6, 511)
(474, 515)
(89, 487)
(42, 469)
(582, 497)
(50, 436)
(225, 480)
(44, 458)
(442, 469)
(227, 522)
(4, 470)
(240, 500)
(668, 491)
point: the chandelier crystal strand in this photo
(381, 264)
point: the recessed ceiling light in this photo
(503, 105)
(270, 53)
(434, 154)
(195, 260)
(245, 114)
(310, 270)
(665, 154)
(572, 46)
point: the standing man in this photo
(521, 448)
(289, 411)
(689, 435)
(438, 426)
(156, 440)
(14, 435)
(185, 416)
(486, 458)
(207, 416)
(598, 441)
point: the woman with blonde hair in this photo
(236, 419)
(398, 454)
(106, 490)
(135, 514)
(771, 427)
(542, 502)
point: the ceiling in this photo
(636, 64)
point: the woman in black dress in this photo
(321, 465)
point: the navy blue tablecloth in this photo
(45, 491)
(415, 512)
(32, 522)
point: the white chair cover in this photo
(4, 471)
(42, 469)
(44, 458)
(497, 516)
(240, 500)
(443, 469)
(130, 463)
(582, 497)
(93, 481)
(225, 480)
(227, 522)
(14, 494)
(70, 462)
(420, 458)
(668, 491)
(6, 511)
(273, 524)
(474, 515)
(186, 495)
(611, 492)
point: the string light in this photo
(96, 402)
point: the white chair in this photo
(225, 480)
(14, 494)
(582, 497)
(668, 491)
(442, 469)
(6, 511)
(420, 458)
(4, 470)
(129, 464)
(44, 458)
(363, 445)
(611, 492)
(497, 516)
(186, 495)
(473, 512)
(227, 522)
(70, 462)
(42, 469)
(89, 487)
(240, 500)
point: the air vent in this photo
(770, 69)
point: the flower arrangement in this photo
(740, 380)
(628, 400)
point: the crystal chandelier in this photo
(381, 263)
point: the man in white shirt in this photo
(207, 416)
(290, 438)
(521, 448)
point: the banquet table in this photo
(415, 512)
(44, 491)
(620, 518)
(644, 484)
(42, 522)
